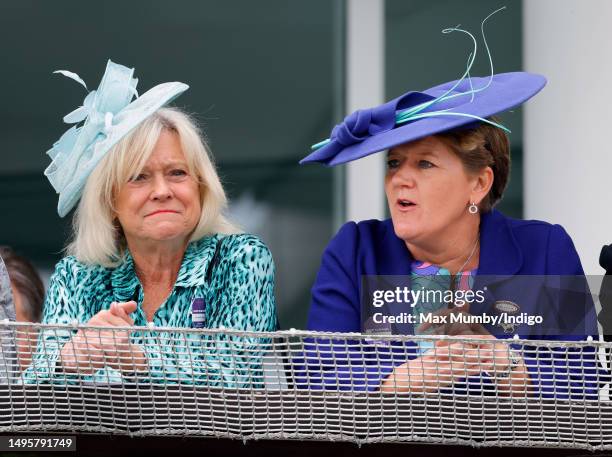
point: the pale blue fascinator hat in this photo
(109, 114)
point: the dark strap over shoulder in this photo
(214, 261)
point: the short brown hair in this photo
(26, 279)
(483, 146)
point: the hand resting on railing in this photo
(450, 362)
(90, 350)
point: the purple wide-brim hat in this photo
(368, 131)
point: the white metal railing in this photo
(304, 385)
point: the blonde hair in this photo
(97, 236)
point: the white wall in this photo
(568, 126)
(365, 83)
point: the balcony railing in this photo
(143, 381)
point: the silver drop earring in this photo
(473, 209)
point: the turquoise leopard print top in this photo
(239, 294)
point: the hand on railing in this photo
(449, 362)
(92, 349)
(439, 367)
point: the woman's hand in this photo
(497, 359)
(450, 361)
(90, 350)
(439, 367)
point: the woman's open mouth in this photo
(404, 204)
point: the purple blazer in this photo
(508, 247)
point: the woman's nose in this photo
(161, 189)
(403, 176)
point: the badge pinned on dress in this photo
(509, 308)
(198, 308)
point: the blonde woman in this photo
(150, 247)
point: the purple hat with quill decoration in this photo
(416, 115)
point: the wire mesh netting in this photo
(142, 381)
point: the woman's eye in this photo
(392, 163)
(425, 164)
(139, 177)
(178, 172)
